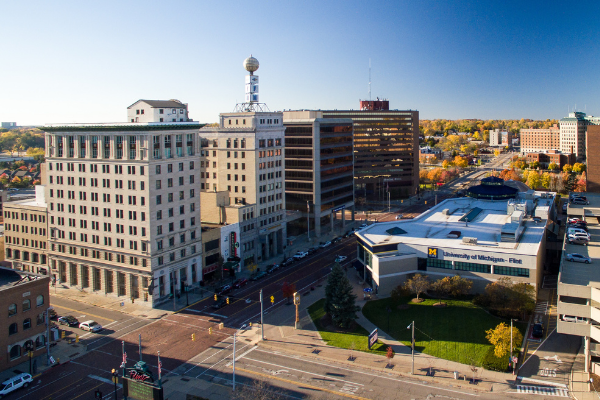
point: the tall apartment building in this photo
(26, 232)
(123, 207)
(244, 156)
(540, 140)
(572, 134)
(500, 138)
(158, 111)
(386, 149)
(593, 158)
(319, 171)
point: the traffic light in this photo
(227, 300)
(210, 331)
(76, 338)
(193, 337)
(215, 297)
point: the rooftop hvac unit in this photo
(445, 211)
(469, 240)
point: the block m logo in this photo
(432, 252)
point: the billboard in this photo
(373, 338)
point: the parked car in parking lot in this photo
(91, 326)
(576, 221)
(537, 331)
(68, 320)
(325, 244)
(573, 239)
(239, 283)
(576, 257)
(53, 314)
(572, 318)
(14, 383)
(300, 254)
(580, 201)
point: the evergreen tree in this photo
(339, 299)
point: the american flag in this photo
(124, 358)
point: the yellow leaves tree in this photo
(567, 168)
(578, 168)
(533, 179)
(546, 180)
(500, 338)
(461, 162)
(553, 166)
(446, 164)
(496, 153)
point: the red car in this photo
(239, 283)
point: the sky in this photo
(85, 62)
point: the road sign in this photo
(272, 299)
(373, 336)
(296, 298)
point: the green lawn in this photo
(357, 338)
(455, 332)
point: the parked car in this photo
(68, 320)
(239, 283)
(349, 233)
(272, 268)
(574, 196)
(90, 326)
(363, 226)
(572, 318)
(289, 261)
(53, 314)
(578, 240)
(340, 259)
(223, 290)
(300, 254)
(537, 331)
(399, 216)
(261, 274)
(313, 250)
(576, 230)
(576, 221)
(579, 226)
(336, 239)
(219, 304)
(565, 206)
(325, 244)
(14, 383)
(576, 257)
(580, 201)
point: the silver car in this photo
(576, 257)
(578, 239)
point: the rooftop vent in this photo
(453, 234)
(469, 240)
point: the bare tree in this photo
(418, 284)
(257, 390)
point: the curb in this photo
(383, 369)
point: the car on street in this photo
(313, 250)
(576, 257)
(219, 304)
(325, 244)
(68, 320)
(537, 331)
(272, 268)
(300, 254)
(340, 259)
(223, 290)
(289, 261)
(14, 383)
(53, 314)
(399, 216)
(239, 283)
(573, 239)
(349, 233)
(261, 274)
(90, 326)
(336, 239)
(565, 205)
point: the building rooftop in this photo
(575, 273)
(121, 126)
(161, 103)
(10, 278)
(454, 219)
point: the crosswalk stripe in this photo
(547, 391)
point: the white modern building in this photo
(158, 111)
(479, 239)
(572, 134)
(123, 207)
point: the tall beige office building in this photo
(123, 207)
(244, 156)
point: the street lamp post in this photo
(308, 220)
(187, 298)
(29, 348)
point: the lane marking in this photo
(542, 382)
(540, 345)
(279, 354)
(242, 356)
(43, 386)
(78, 311)
(87, 391)
(118, 330)
(306, 372)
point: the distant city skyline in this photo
(72, 62)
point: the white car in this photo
(340, 259)
(14, 383)
(323, 245)
(91, 326)
(399, 216)
(300, 254)
(576, 257)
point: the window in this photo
(511, 271)
(158, 199)
(27, 324)
(12, 309)
(475, 267)
(40, 319)
(13, 329)
(26, 305)
(39, 301)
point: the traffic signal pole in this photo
(262, 326)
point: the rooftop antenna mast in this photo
(369, 79)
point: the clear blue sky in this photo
(81, 61)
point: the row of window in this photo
(24, 216)
(476, 267)
(119, 199)
(26, 305)
(25, 229)
(171, 226)
(16, 254)
(182, 254)
(170, 196)
(105, 168)
(181, 181)
(131, 185)
(171, 211)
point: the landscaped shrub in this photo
(493, 363)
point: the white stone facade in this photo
(158, 111)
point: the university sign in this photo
(433, 252)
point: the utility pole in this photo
(48, 336)
(412, 346)
(234, 333)
(262, 325)
(389, 202)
